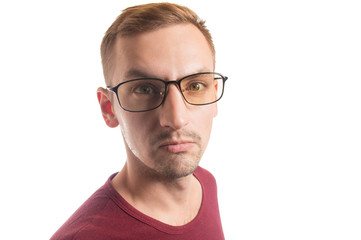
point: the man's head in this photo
(151, 45)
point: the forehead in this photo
(168, 53)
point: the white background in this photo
(285, 148)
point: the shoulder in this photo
(82, 218)
(81, 222)
(206, 179)
(203, 174)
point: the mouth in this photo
(177, 146)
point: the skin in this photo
(163, 146)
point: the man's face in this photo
(172, 138)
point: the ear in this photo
(106, 108)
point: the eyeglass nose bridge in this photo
(176, 82)
(167, 83)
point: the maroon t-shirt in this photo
(107, 215)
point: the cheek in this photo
(136, 131)
(203, 120)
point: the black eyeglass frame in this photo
(166, 83)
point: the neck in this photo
(172, 201)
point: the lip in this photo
(177, 146)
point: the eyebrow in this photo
(137, 73)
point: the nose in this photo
(174, 111)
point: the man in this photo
(158, 62)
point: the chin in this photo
(175, 168)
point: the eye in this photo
(196, 86)
(144, 89)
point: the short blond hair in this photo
(147, 17)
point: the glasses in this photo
(146, 94)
